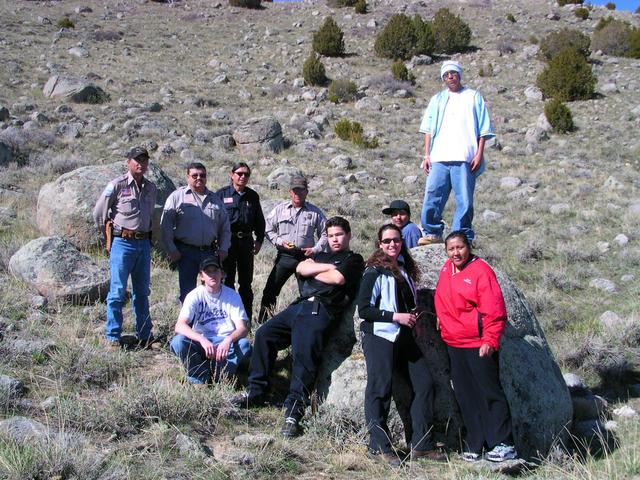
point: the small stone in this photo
(259, 440)
(621, 239)
(574, 382)
(625, 412)
(603, 284)
(603, 247)
(533, 93)
(78, 52)
(510, 183)
(342, 162)
(11, 387)
(610, 319)
(559, 208)
(298, 82)
(609, 87)
(629, 277)
(410, 179)
(222, 78)
(491, 216)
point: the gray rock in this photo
(281, 177)
(73, 89)
(609, 87)
(25, 431)
(629, 277)
(222, 78)
(79, 52)
(625, 412)
(410, 179)
(574, 382)
(248, 440)
(510, 183)
(533, 94)
(259, 134)
(341, 162)
(372, 23)
(65, 205)
(634, 208)
(21, 346)
(70, 131)
(10, 388)
(612, 183)
(223, 142)
(535, 135)
(529, 51)
(6, 155)
(559, 208)
(58, 270)
(610, 319)
(491, 216)
(538, 397)
(603, 284)
(543, 124)
(368, 103)
(419, 60)
(621, 239)
(603, 247)
(191, 448)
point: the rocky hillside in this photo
(558, 213)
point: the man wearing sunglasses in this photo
(246, 218)
(194, 226)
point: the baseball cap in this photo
(298, 182)
(138, 152)
(396, 205)
(210, 262)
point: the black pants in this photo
(404, 357)
(240, 259)
(484, 408)
(305, 331)
(284, 266)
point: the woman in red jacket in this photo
(471, 316)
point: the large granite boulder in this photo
(59, 271)
(74, 89)
(533, 384)
(259, 134)
(65, 205)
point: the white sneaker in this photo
(470, 456)
(501, 452)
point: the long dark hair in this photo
(380, 259)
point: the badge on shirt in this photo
(228, 199)
(309, 216)
(126, 191)
(108, 190)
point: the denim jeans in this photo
(129, 257)
(199, 368)
(443, 177)
(189, 266)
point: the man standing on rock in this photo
(330, 283)
(194, 226)
(245, 216)
(456, 125)
(291, 228)
(127, 204)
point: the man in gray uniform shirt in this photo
(291, 228)
(128, 202)
(194, 226)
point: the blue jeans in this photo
(129, 257)
(189, 266)
(199, 368)
(443, 177)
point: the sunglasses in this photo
(387, 241)
(243, 174)
(198, 175)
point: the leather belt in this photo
(132, 234)
(203, 248)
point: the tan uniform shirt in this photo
(127, 205)
(197, 222)
(286, 223)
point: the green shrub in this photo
(313, 71)
(562, 3)
(533, 40)
(397, 39)
(451, 33)
(567, 77)
(65, 23)
(612, 38)
(581, 12)
(328, 40)
(559, 116)
(341, 3)
(634, 44)
(555, 42)
(610, 6)
(342, 91)
(400, 72)
(603, 22)
(353, 132)
(424, 34)
(360, 7)
(245, 3)
(511, 18)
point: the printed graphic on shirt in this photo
(210, 318)
(108, 190)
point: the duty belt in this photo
(203, 248)
(131, 234)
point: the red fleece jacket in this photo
(470, 305)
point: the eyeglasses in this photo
(387, 241)
(198, 175)
(450, 73)
(243, 174)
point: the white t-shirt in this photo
(213, 314)
(456, 140)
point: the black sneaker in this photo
(291, 428)
(246, 400)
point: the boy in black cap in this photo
(400, 215)
(211, 328)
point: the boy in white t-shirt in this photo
(211, 328)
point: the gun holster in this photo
(108, 233)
